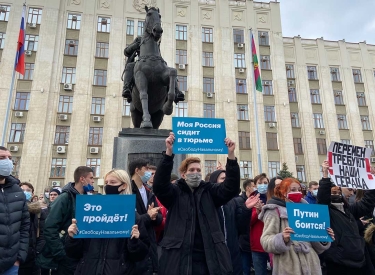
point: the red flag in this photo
(19, 64)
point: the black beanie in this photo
(55, 190)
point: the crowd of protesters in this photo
(184, 225)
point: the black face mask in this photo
(112, 190)
(336, 198)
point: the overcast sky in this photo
(352, 20)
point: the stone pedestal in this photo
(133, 143)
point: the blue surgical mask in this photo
(315, 192)
(28, 195)
(6, 167)
(262, 188)
(146, 176)
(88, 187)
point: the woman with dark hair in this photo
(272, 185)
(290, 257)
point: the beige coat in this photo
(293, 258)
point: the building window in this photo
(289, 71)
(62, 135)
(68, 75)
(365, 120)
(208, 85)
(71, 47)
(181, 109)
(182, 82)
(357, 75)
(209, 166)
(341, 121)
(4, 13)
(207, 35)
(209, 110)
(104, 24)
(100, 77)
(94, 164)
(301, 173)
(361, 99)
(238, 36)
(292, 94)
(181, 32)
(208, 59)
(181, 57)
(125, 107)
(102, 49)
(98, 106)
(312, 73)
(265, 63)
(318, 121)
(65, 104)
(242, 112)
(370, 144)
(241, 86)
(315, 97)
(2, 40)
(267, 87)
(322, 146)
(295, 120)
(35, 16)
(244, 140)
(74, 21)
(269, 114)
(335, 74)
(246, 169)
(346, 141)
(17, 132)
(273, 168)
(22, 101)
(31, 42)
(272, 143)
(58, 167)
(339, 99)
(129, 27)
(29, 72)
(263, 38)
(141, 28)
(239, 60)
(95, 135)
(298, 150)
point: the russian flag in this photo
(19, 64)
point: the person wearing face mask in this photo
(193, 241)
(312, 193)
(107, 256)
(289, 257)
(148, 209)
(56, 225)
(348, 253)
(14, 218)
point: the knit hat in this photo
(55, 190)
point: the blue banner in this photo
(194, 135)
(108, 216)
(309, 222)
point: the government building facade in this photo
(67, 108)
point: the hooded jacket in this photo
(14, 224)
(188, 211)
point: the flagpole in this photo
(255, 107)
(8, 109)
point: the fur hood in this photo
(34, 207)
(369, 233)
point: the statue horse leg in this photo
(170, 76)
(142, 86)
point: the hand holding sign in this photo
(73, 229)
(286, 234)
(135, 232)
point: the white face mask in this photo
(193, 179)
(46, 194)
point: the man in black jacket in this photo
(193, 242)
(14, 218)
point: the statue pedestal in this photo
(133, 143)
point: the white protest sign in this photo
(350, 166)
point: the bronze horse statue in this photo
(155, 87)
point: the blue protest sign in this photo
(109, 216)
(194, 135)
(309, 222)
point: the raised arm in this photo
(324, 191)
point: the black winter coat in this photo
(348, 249)
(149, 224)
(14, 224)
(177, 244)
(108, 256)
(243, 217)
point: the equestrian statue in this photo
(150, 86)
